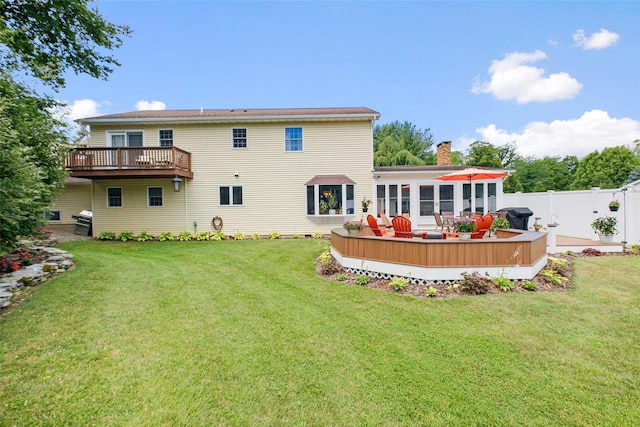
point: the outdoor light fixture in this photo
(177, 182)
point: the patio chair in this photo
(483, 223)
(385, 221)
(373, 224)
(402, 227)
(439, 223)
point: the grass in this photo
(245, 333)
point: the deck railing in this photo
(109, 158)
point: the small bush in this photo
(274, 235)
(203, 236)
(567, 253)
(218, 235)
(454, 287)
(255, 236)
(107, 235)
(125, 235)
(164, 236)
(362, 280)
(558, 263)
(144, 236)
(317, 235)
(185, 236)
(530, 286)
(592, 252)
(503, 283)
(399, 283)
(553, 276)
(635, 248)
(325, 257)
(431, 292)
(475, 284)
(238, 236)
(341, 277)
(296, 235)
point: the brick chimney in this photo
(443, 153)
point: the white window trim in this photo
(284, 142)
(316, 200)
(231, 204)
(121, 199)
(246, 130)
(173, 136)
(148, 197)
(108, 134)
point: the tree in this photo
(43, 39)
(47, 38)
(482, 153)
(609, 169)
(402, 144)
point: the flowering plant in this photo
(365, 202)
(353, 225)
(614, 203)
(464, 225)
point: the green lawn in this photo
(245, 333)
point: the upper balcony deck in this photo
(129, 162)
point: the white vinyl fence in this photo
(576, 210)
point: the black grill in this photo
(518, 217)
(84, 223)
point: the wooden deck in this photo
(138, 162)
(517, 254)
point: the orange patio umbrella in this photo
(472, 174)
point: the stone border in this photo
(12, 285)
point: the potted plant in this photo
(365, 204)
(353, 227)
(605, 228)
(536, 225)
(499, 223)
(614, 205)
(464, 227)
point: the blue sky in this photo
(558, 78)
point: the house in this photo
(294, 171)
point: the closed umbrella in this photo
(472, 174)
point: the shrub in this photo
(530, 286)
(274, 235)
(475, 284)
(504, 283)
(218, 235)
(125, 235)
(296, 235)
(431, 292)
(325, 257)
(317, 235)
(558, 263)
(399, 283)
(164, 236)
(592, 251)
(553, 276)
(107, 235)
(144, 236)
(185, 236)
(453, 287)
(635, 248)
(202, 236)
(238, 236)
(255, 236)
(362, 280)
(341, 277)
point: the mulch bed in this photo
(334, 272)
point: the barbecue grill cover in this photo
(518, 217)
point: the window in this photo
(491, 192)
(446, 198)
(230, 196)
(125, 139)
(381, 199)
(426, 200)
(114, 197)
(239, 137)
(337, 199)
(53, 216)
(154, 197)
(293, 139)
(165, 137)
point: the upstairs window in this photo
(125, 139)
(165, 137)
(293, 139)
(239, 137)
(230, 195)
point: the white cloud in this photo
(600, 40)
(150, 105)
(594, 130)
(81, 108)
(512, 79)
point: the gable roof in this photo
(236, 115)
